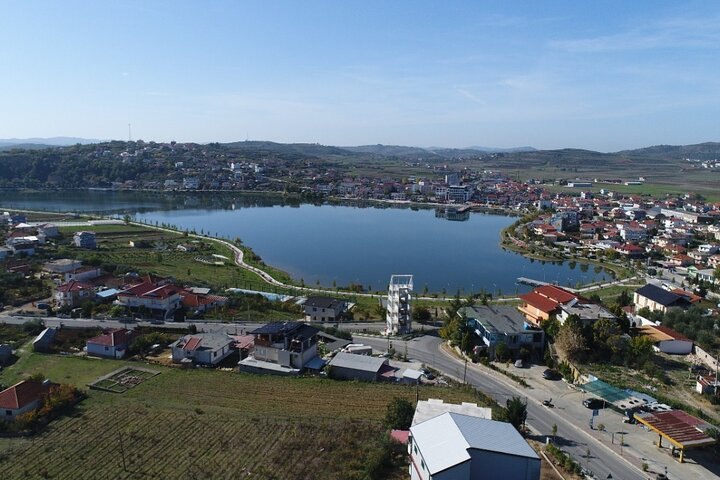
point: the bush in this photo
(399, 414)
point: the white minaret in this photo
(398, 304)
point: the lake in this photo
(338, 244)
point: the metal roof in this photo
(444, 441)
(605, 391)
(659, 295)
(680, 428)
(358, 362)
(497, 318)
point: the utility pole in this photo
(465, 372)
(122, 451)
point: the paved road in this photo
(541, 419)
(231, 328)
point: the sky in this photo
(601, 75)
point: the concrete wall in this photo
(344, 373)
(676, 346)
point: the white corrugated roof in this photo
(433, 407)
(444, 441)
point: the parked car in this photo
(519, 363)
(594, 403)
(550, 374)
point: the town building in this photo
(398, 318)
(658, 299)
(285, 348)
(85, 240)
(457, 446)
(544, 301)
(202, 348)
(113, 344)
(433, 407)
(152, 297)
(22, 397)
(499, 324)
(666, 340)
(324, 309)
(350, 366)
(73, 293)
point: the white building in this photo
(398, 317)
(457, 446)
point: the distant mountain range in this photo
(34, 143)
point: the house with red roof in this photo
(73, 293)
(200, 302)
(157, 298)
(544, 301)
(22, 397)
(115, 343)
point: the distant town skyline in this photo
(605, 76)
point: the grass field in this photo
(209, 424)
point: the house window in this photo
(106, 349)
(8, 412)
(214, 354)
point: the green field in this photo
(209, 424)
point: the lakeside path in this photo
(239, 261)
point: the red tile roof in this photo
(670, 332)
(193, 343)
(113, 338)
(151, 289)
(555, 293)
(540, 302)
(74, 286)
(22, 394)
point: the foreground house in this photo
(113, 344)
(202, 348)
(284, 348)
(457, 446)
(22, 397)
(324, 309)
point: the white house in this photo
(113, 344)
(21, 398)
(456, 446)
(667, 340)
(202, 348)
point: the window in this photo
(106, 349)
(8, 412)
(214, 354)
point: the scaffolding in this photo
(399, 320)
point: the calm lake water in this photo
(340, 244)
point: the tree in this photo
(399, 414)
(421, 315)
(603, 330)
(551, 326)
(570, 340)
(516, 412)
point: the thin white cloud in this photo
(471, 96)
(667, 33)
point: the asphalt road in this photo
(231, 328)
(573, 439)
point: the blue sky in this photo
(552, 74)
